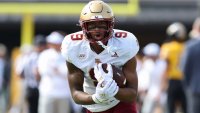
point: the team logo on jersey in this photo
(82, 56)
(115, 55)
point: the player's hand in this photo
(100, 74)
(105, 90)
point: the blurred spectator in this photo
(195, 32)
(21, 59)
(172, 80)
(141, 92)
(4, 79)
(139, 58)
(154, 100)
(143, 71)
(29, 74)
(192, 75)
(53, 88)
(190, 66)
(18, 85)
(20, 105)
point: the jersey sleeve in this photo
(65, 48)
(133, 45)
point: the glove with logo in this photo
(104, 93)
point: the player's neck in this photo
(96, 48)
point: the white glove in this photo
(100, 74)
(105, 90)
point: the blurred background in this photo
(22, 20)
(147, 19)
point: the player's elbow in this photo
(76, 100)
(129, 97)
(132, 99)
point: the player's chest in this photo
(85, 59)
(90, 58)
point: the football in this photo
(118, 75)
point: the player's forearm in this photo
(126, 95)
(82, 98)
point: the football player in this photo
(171, 52)
(98, 43)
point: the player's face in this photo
(97, 29)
